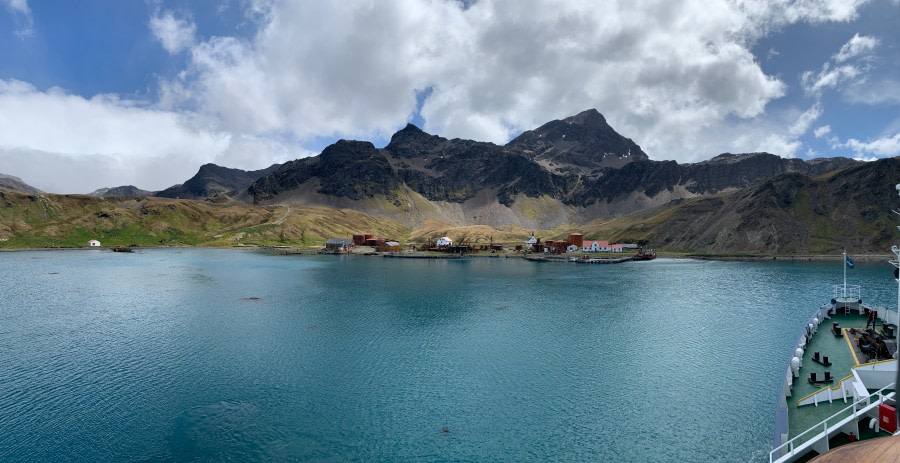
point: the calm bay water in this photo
(167, 355)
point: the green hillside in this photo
(71, 220)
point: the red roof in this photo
(600, 243)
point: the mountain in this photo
(789, 213)
(572, 174)
(212, 180)
(126, 190)
(568, 171)
(584, 141)
(10, 183)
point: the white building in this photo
(444, 242)
(595, 246)
(615, 248)
(571, 248)
(531, 240)
(94, 243)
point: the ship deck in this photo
(840, 351)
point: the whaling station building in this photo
(574, 243)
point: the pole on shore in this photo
(844, 263)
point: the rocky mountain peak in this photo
(584, 141)
(412, 141)
(347, 150)
(410, 128)
(590, 118)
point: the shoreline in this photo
(136, 248)
(775, 258)
(662, 254)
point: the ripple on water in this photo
(167, 356)
(225, 431)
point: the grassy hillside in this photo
(432, 229)
(72, 220)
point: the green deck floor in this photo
(839, 353)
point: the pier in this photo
(423, 256)
(580, 260)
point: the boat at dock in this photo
(839, 384)
(645, 254)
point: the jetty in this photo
(423, 256)
(579, 260)
(596, 260)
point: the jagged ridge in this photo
(580, 162)
(212, 179)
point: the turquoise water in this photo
(165, 355)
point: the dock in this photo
(579, 260)
(617, 260)
(423, 256)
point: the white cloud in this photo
(822, 131)
(678, 77)
(828, 77)
(105, 137)
(175, 34)
(770, 15)
(874, 92)
(856, 46)
(20, 8)
(831, 76)
(805, 120)
(884, 146)
(660, 75)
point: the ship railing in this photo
(781, 413)
(846, 292)
(802, 443)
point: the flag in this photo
(849, 262)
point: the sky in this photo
(105, 93)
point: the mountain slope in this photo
(212, 179)
(11, 183)
(790, 213)
(670, 180)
